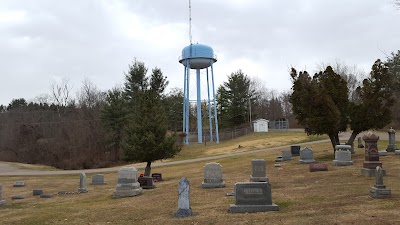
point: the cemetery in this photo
(197, 192)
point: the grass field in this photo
(338, 196)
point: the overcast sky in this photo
(46, 40)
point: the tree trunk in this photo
(352, 138)
(147, 170)
(334, 141)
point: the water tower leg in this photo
(184, 101)
(209, 107)
(215, 106)
(187, 103)
(199, 124)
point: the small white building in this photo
(260, 125)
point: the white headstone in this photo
(213, 176)
(128, 185)
(306, 156)
(184, 209)
(342, 158)
(2, 201)
(82, 183)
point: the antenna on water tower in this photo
(198, 56)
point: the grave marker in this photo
(342, 158)
(258, 171)
(306, 156)
(251, 197)
(128, 185)
(98, 179)
(82, 183)
(213, 176)
(184, 209)
(2, 201)
(379, 190)
(371, 155)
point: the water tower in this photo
(198, 57)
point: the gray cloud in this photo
(98, 39)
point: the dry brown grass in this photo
(338, 196)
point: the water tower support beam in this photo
(184, 101)
(187, 101)
(209, 106)
(215, 106)
(199, 122)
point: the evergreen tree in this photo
(146, 137)
(234, 99)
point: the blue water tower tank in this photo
(198, 56)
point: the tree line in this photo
(141, 122)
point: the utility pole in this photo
(250, 113)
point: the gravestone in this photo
(184, 209)
(342, 158)
(157, 176)
(251, 197)
(371, 155)
(313, 167)
(98, 179)
(360, 144)
(379, 190)
(392, 141)
(37, 192)
(306, 156)
(146, 182)
(17, 197)
(2, 201)
(213, 176)
(128, 185)
(345, 148)
(295, 150)
(258, 169)
(82, 183)
(279, 159)
(46, 196)
(286, 155)
(19, 184)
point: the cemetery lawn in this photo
(338, 196)
(249, 142)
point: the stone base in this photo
(181, 213)
(382, 153)
(258, 179)
(252, 208)
(397, 152)
(82, 190)
(306, 161)
(371, 164)
(127, 190)
(391, 148)
(149, 187)
(380, 192)
(2, 202)
(213, 185)
(370, 172)
(341, 163)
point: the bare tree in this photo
(89, 95)
(61, 93)
(43, 99)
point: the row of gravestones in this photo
(97, 179)
(250, 197)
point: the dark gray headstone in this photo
(253, 197)
(184, 209)
(37, 192)
(295, 150)
(360, 143)
(146, 182)
(17, 197)
(46, 196)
